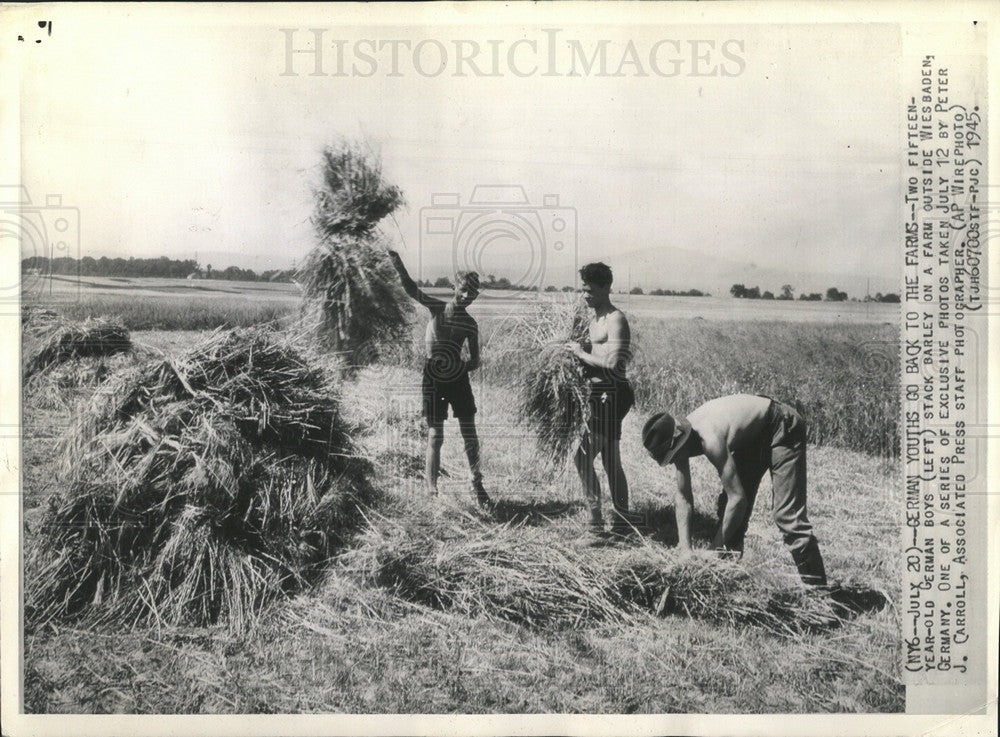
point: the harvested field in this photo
(436, 607)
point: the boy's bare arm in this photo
(409, 286)
(683, 503)
(473, 363)
(736, 499)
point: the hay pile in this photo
(703, 587)
(58, 386)
(459, 562)
(50, 340)
(198, 489)
(35, 317)
(553, 392)
(352, 298)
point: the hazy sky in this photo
(175, 136)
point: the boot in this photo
(809, 562)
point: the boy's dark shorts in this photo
(439, 392)
(609, 402)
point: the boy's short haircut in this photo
(467, 280)
(597, 273)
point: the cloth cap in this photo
(663, 436)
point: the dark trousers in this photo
(782, 451)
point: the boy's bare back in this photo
(731, 422)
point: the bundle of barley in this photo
(354, 197)
(352, 298)
(460, 563)
(57, 386)
(519, 574)
(351, 293)
(553, 393)
(451, 559)
(36, 317)
(54, 340)
(198, 489)
(707, 588)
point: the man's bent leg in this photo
(788, 476)
(750, 467)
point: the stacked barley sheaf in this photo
(198, 488)
(61, 357)
(353, 303)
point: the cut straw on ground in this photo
(449, 558)
(53, 340)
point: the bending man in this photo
(743, 436)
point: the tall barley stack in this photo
(198, 489)
(352, 299)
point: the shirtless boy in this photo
(743, 436)
(446, 375)
(610, 397)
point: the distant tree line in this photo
(491, 282)
(741, 291)
(669, 292)
(879, 297)
(162, 267)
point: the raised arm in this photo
(410, 287)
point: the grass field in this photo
(358, 644)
